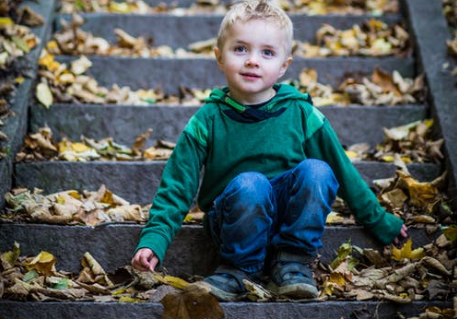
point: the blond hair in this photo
(247, 10)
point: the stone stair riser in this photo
(137, 182)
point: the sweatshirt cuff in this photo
(386, 229)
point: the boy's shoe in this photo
(291, 277)
(226, 283)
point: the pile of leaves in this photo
(40, 146)
(418, 203)
(71, 39)
(71, 208)
(401, 275)
(36, 279)
(312, 7)
(411, 143)
(372, 38)
(382, 89)
(16, 41)
(59, 83)
(141, 7)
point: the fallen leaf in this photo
(44, 95)
(194, 302)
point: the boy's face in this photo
(253, 58)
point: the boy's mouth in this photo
(250, 75)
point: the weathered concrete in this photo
(137, 182)
(15, 125)
(232, 310)
(180, 30)
(203, 73)
(191, 252)
(431, 35)
(167, 122)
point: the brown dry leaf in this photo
(385, 81)
(97, 272)
(29, 17)
(140, 141)
(194, 302)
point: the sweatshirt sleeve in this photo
(323, 144)
(176, 192)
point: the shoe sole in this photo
(295, 291)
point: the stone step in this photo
(232, 310)
(191, 252)
(137, 182)
(180, 30)
(203, 73)
(353, 124)
(15, 125)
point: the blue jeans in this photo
(255, 214)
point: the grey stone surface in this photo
(191, 251)
(137, 182)
(180, 30)
(232, 310)
(431, 35)
(125, 122)
(203, 73)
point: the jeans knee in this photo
(247, 191)
(317, 171)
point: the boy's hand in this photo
(145, 260)
(403, 234)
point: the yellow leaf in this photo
(171, 281)
(79, 147)
(327, 288)
(60, 199)
(44, 95)
(52, 45)
(119, 7)
(43, 263)
(129, 299)
(407, 252)
(19, 79)
(9, 258)
(352, 154)
(337, 278)
(388, 158)
(4, 21)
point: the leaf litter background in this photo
(400, 274)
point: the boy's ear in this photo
(218, 55)
(285, 65)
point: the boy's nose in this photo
(251, 62)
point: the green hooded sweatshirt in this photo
(225, 139)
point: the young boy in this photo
(272, 162)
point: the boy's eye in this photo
(268, 52)
(240, 49)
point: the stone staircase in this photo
(112, 245)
